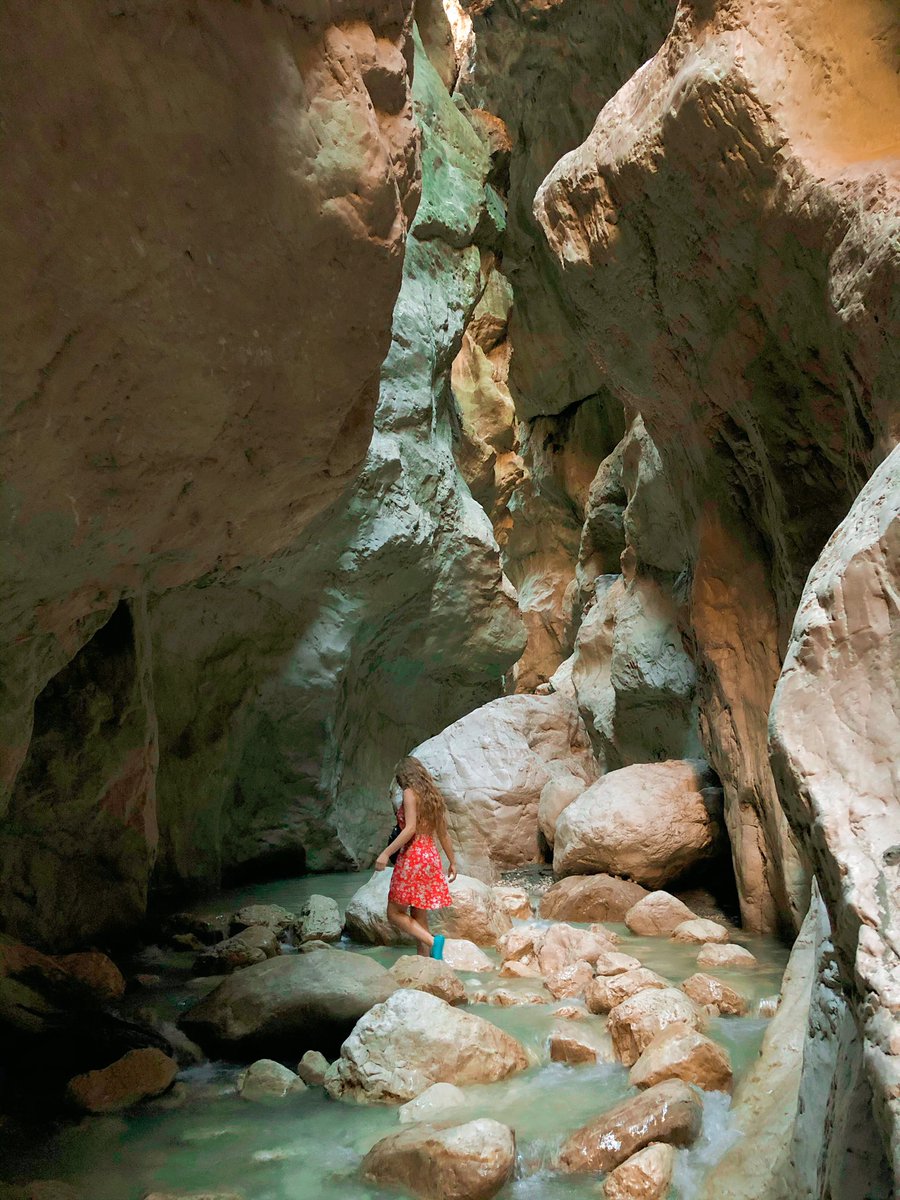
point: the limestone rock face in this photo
(465, 1162)
(492, 766)
(667, 1112)
(835, 726)
(653, 822)
(136, 1076)
(189, 403)
(403, 1046)
(290, 1004)
(591, 898)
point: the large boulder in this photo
(654, 822)
(138, 1075)
(492, 766)
(591, 898)
(700, 930)
(463, 955)
(253, 945)
(413, 1040)
(434, 1102)
(728, 956)
(680, 1052)
(607, 991)
(268, 1080)
(657, 915)
(556, 795)
(669, 1112)
(290, 1004)
(635, 1022)
(465, 1162)
(644, 1176)
(319, 920)
(714, 995)
(477, 913)
(365, 917)
(428, 975)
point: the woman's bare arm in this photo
(407, 833)
(447, 845)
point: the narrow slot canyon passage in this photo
(451, 488)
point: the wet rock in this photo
(562, 945)
(413, 1040)
(289, 1004)
(435, 1101)
(253, 945)
(608, 991)
(570, 1012)
(654, 822)
(712, 994)
(466, 1162)
(680, 1052)
(700, 930)
(591, 898)
(569, 981)
(492, 766)
(613, 962)
(515, 901)
(429, 975)
(97, 973)
(365, 917)
(182, 1049)
(669, 1112)
(581, 1044)
(657, 915)
(267, 916)
(645, 1176)
(463, 955)
(729, 956)
(138, 1075)
(312, 1068)
(510, 998)
(268, 1080)
(635, 1022)
(320, 920)
(315, 944)
(476, 913)
(512, 968)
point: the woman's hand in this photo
(451, 872)
(381, 861)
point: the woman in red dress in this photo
(418, 884)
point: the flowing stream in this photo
(203, 1137)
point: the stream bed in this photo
(203, 1137)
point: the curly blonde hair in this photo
(432, 811)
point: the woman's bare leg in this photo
(401, 920)
(421, 916)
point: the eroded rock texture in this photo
(724, 234)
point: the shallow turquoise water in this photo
(203, 1137)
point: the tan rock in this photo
(729, 956)
(669, 1112)
(429, 975)
(312, 1068)
(138, 1075)
(516, 902)
(651, 821)
(700, 931)
(615, 963)
(562, 945)
(680, 1052)
(581, 1043)
(432, 1104)
(403, 1046)
(463, 955)
(253, 945)
(603, 931)
(607, 991)
(645, 1176)
(591, 898)
(365, 917)
(657, 915)
(512, 968)
(520, 944)
(510, 998)
(569, 981)
(712, 993)
(556, 795)
(268, 1080)
(476, 913)
(465, 1162)
(635, 1022)
(96, 972)
(269, 916)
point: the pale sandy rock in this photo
(615, 963)
(319, 920)
(465, 1162)
(521, 942)
(292, 1003)
(268, 1080)
(645, 1176)
(604, 932)
(556, 795)
(591, 898)
(657, 915)
(413, 1040)
(253, 945)
(433, 1103)
(429, 975)
(516, 902)
(476, 913)
(96, 972)
(492, 766)
(570, 1012)
(504, 997)
(680, 1052)
(669, 1112)
(713, 994)
(138, 1075)
(312, 1068)
(569, 981)
(462, 955)
(267, 916)
(635, 1022)
(562, 945)
(607, 991)
(512, 968)
(700, 931)
(581, 1043)
(365, 917)
(654, 822)
(728, 956)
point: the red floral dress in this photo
(418, 879)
